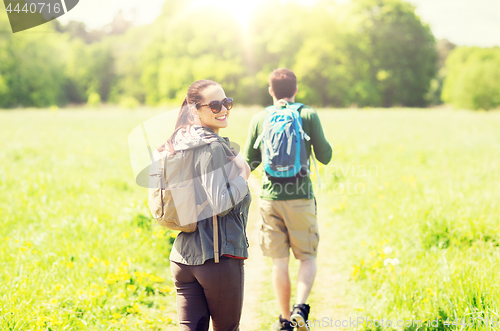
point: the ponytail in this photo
(184, 119)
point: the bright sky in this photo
(464, 22)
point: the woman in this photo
(206, 286)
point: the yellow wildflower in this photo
(94, 259)
(58, 287)
(355, 272)
(156, 279)
(53, 301)
(111, 278)
(131, 287)
(43, 319)
(126, 235)
(70, 265)
(23, 249)
(165, 289)
(117, 315)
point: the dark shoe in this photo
(300, 317)
(283, 325)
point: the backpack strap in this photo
(261, 136)
(258, 140)
(226, 178)
(216, 239)
(296, 106)
(214, 217)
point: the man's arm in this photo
(253, 155)
(322, 149)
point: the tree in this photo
(400, 49)
(473, 78)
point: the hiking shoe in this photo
(283, 325)
(300, 317)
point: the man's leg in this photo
(281, 282)
(305, 279)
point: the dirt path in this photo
(330, 299)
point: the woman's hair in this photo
(186, 118)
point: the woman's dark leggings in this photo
(209, 290)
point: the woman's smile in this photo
(221, 118)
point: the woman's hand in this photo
(242, 165)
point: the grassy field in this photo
(409, 219)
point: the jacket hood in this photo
(196, 137)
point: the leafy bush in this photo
(473, 78)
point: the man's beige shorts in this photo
(289, 224)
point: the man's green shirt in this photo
(302, 188)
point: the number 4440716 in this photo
(34, 8)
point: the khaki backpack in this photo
(171, 191)
(172, 196)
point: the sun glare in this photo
(242, 10)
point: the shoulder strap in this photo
(216, 239)
(215, 223)
(226, 178)
(297, 106)
(214, 217)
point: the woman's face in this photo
(207, 117)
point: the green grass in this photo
(79, 251)
(432, 204)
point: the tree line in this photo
(375, 53)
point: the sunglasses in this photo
(216, 105)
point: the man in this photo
(288, 210)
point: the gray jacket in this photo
(220, 191)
